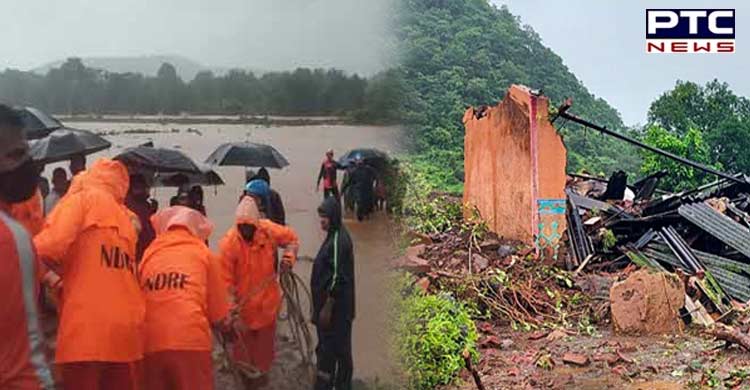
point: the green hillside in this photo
(457, 53)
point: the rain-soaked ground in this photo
(304, 147)
(612, 362)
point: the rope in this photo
(292, 287)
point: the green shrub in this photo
(608, 239)
(432, 334)
(425, 211)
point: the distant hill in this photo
(147, 65)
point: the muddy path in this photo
(608, 361)
(304, 148)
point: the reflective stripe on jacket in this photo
(23, 364)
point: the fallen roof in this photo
(718, 225)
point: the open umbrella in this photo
(37, 124)
(247, 154)
(64, 143)
(207, 177)
(370, 156)
(158, 159)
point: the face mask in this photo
(19, 184)
(247, 231)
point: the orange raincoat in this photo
(181, 280)
(23, 365)
(249, 268)
(91, 237)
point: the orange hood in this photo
(247, 211)
(192, 220)
(105, 175)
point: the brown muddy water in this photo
(304, 147)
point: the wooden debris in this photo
(731, 335)
(698, 313)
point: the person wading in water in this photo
(332, 287)
(247, 255)
(328, 174)
(362, 185)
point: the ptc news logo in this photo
(690, 31)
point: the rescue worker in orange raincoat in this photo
(185, 293)
(247, 253)
(23, 365)
(90, 239)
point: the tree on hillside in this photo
(464, 53)
(22, 88)
(722, 118)
(690, 144)
(382, 98)
(74, 87)
(123, 91)
(204, 92)
(170, 90)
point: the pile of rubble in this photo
(505, 279)
(701, 235)
(699, 238)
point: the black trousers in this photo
(365, 203)
(334, 353)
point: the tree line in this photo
(707, 123)
(74, 88)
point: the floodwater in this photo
(304, 147)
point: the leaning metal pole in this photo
(563, 113)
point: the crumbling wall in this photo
(515, 168)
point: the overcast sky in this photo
(603, 43)
(260, 34)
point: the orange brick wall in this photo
(515, 165)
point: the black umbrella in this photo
(247, 154)
(158, 159)
(207, 177)
(64, 143)
(369, 155)
(37, 124)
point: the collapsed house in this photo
(702, 234)
(518, 183)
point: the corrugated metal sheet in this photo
(735, 284)
(718, 225)
(722, 262)
(579, 240)
(664, 257)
